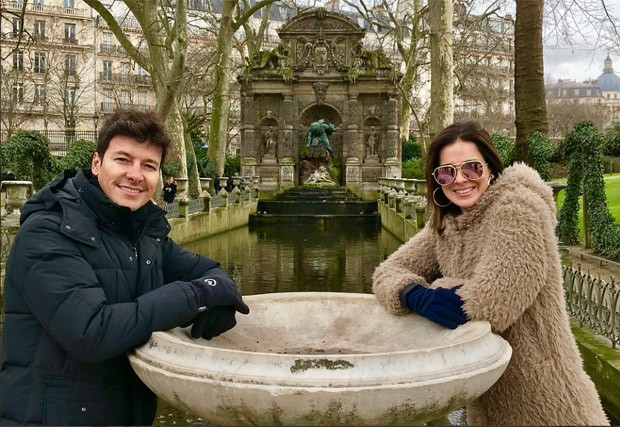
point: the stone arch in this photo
(330, 114)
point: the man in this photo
(92, 274)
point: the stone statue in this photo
(318, 134)
(372, 144)
(319, 175)
(270, 142)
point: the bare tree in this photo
(232, 18)
(164, 26)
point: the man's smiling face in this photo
(128, 172)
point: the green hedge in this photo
(583, 147)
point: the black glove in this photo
(218, 300)
(440, 305)
(213, 322)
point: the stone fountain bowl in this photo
(323, 358)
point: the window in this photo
(108, 100)
(68, 4)
(141, 71)
(70, 96)
(70, 65)
(39, 94)
(18, 92)
(588, 92)
(142, 99)
(39, 30)
(18, 60)
(125, 98)
(37, 2)
(70, 34)
(17, 26)
(39, 62)
(125, 69)
(107, 71)
(107, 45)
(576, 92)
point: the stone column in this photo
(248, 156)
(287, 161)
(352, 149)
(392, 162)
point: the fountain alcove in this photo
(323, 358)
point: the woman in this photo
(170, 190)
(489, 252)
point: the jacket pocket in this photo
(70, 402)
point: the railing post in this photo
(223, 182)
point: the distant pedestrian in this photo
(170, 190)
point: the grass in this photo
(612, 192)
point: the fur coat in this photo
(504, 252)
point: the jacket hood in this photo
(521, 177)
(50, 194)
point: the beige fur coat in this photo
(504, 252)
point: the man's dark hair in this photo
(146, 127)
(466, 131)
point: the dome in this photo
(608, 81)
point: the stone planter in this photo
(322, 358)
(17, 193)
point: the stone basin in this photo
(323, 358)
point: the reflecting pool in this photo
(326, 255)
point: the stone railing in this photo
(406, 197)
(245, 189)
(594, 302)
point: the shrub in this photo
(583, 146)
(411, 148)
(611, 146)
(413, 168)
(79, 155)
(541, 150)
(505, 147)
(27, 155)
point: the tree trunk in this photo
(530, 108)
(412, 64)
(218, 134)
(442, 103)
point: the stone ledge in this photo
(602, 363)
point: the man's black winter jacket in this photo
(86, 281)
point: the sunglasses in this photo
(471, 170)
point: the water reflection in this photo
(328, 256)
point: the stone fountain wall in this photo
(320, 70)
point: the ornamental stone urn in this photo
(323, 358)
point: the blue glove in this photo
(218, 300)
(440, 305)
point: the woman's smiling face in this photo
(463, 192)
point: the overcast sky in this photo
(577, 64)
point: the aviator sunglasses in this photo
(471, 170)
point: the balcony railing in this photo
(70, 40)
(108, 107)
(46, 9)
(140, 79)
